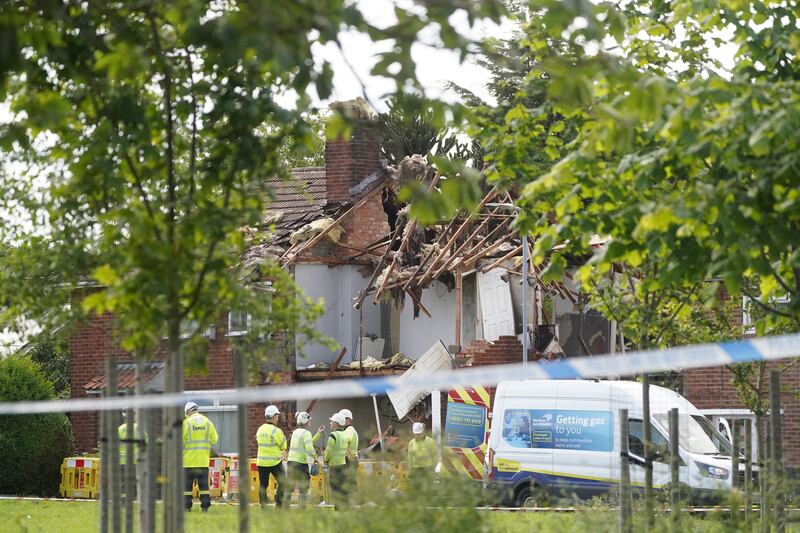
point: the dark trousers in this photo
(299, 477)
(338, 484)
(201, 476)
(263, 480)
(420, 478)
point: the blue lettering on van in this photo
(559, 429)
(465, 425)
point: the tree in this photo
(43, 440)
(687, 167)
(53, 357)
(143, 121)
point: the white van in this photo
(554, 438)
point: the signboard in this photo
(437, 358)
(559, 429)
(465, 425)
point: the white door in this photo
(496, 309)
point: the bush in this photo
(32, 447)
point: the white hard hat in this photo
(338, 418)
(418, 428)
(190, 406)
(302, 418)
(346, 413)
(271, 411)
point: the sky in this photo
(435, 67)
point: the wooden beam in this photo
(412, 225)
(500, 261)
(314, 240)
(333, 368)
(419, 303)
(428, 255)
(467, 256)
(489, 249)
(377, 270)
(429, 274)
(474, 234)
(459, 288)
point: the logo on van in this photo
(546, 420)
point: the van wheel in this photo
(531, 496)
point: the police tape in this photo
(610, 365)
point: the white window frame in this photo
(216, 406)
(191, 325)
(237, 333)
(747, 321)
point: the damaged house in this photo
(393, 291)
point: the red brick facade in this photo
(348, 161)
(710, 388)
(93, 341)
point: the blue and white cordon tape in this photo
(695, 356)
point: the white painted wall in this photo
(336, 286)
(417, 335)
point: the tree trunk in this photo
(113, 448)
(173, 442)
(145, 468)
(130, 470)
(244, 478)
(104, 467)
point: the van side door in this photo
(583, 449)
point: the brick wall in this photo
(91, 342)
(348, 161)
(710, 388)
(364, 226)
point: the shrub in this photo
(32, 447)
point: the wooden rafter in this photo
(412, 226)
(314, 240)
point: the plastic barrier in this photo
(233, 483)
(80, 477)
(218, 468)
(319, 489)
(217, 478)
(400, 471)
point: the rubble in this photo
(316, 227)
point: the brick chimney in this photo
(348, 161)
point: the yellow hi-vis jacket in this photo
(336, 450)
(352, 441)
(301, 446)
(199, 434)
(122, 431)
(422, 453)
(271, 444)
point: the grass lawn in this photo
(70, 516)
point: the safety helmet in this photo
(303, 418)
(271, 411)
(418, 428)
(190, 407)
(346, 413)
(338, 418)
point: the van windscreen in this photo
(691, 435)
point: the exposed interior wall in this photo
(471, 328)
(336, 286)
(363, 416)
(419, 334)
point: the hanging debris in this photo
(312, 229)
